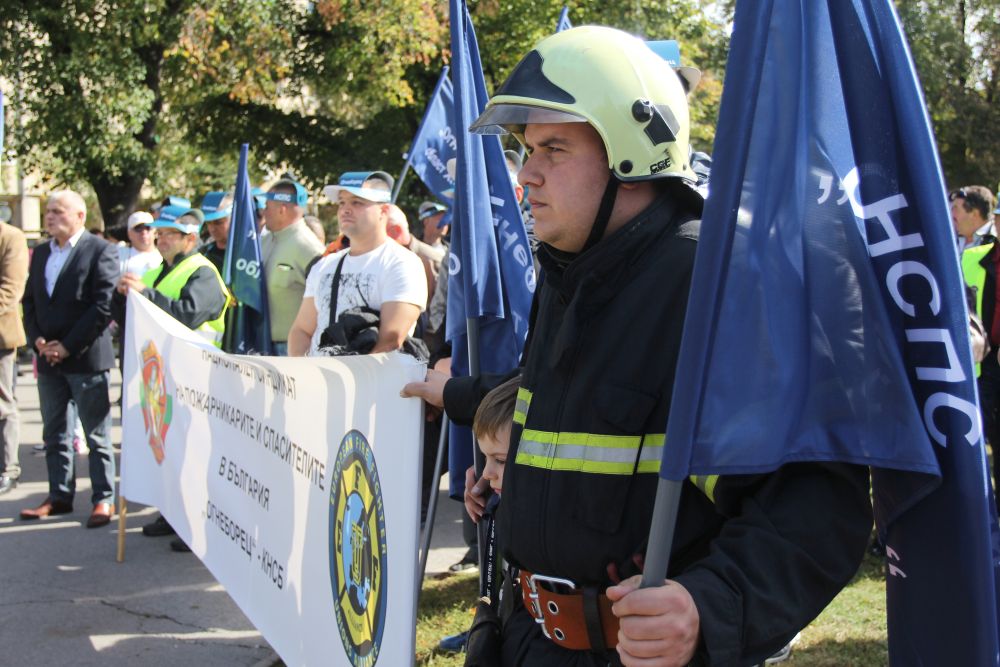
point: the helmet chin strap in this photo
(603, 214)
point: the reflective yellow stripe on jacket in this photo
(592, 452)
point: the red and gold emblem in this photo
(156, 404)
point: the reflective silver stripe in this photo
(585, 452)
(521, 405)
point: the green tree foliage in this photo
(956, 46)
(100, 83)
(118, 93)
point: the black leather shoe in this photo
(7, 483)
(157, 528)
(179, 545)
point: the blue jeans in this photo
(90, 393)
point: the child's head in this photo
(492, 428)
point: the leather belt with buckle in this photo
(579, 619)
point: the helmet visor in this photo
(505, 118)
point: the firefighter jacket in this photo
(761, 555)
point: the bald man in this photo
(67, 307)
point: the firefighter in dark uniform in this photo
(755, 558)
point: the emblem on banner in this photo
(157, 405)
(358, 550)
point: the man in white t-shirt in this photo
(141, 255)
(375, 273)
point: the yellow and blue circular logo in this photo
(358, 550)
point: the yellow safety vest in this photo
(975, 277)
(177, 278)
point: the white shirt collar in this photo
(72, 241)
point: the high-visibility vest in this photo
(177, 278)
(975, 277)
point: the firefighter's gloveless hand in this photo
(658, 626)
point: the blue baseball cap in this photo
(176, 200)
(210, 206)
(670, 50)
(432, 208)
(170, 218)
(260, 197)
(353, 182)
(300, 198)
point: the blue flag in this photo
(435, 143)
(563, 22)
(491, 275)
(248, 330)
(827, 320)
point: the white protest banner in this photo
(296, 481)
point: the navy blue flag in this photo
(491, 275)
(435, 143)
(563, 22)
(827, 320)
(248, 330)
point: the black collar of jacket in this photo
(565, 272)
(591, 280)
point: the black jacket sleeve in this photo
(792, 540)
(462, 395)
(201, 299)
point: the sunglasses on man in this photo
(973, 199)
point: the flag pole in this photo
(122, 512)
(661, 532)
(399, 181)
(478, 460)
(432, 506)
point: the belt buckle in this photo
(536, 607)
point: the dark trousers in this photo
(989, 399)
(90, 393)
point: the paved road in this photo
(65, 601)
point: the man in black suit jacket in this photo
(67, 307)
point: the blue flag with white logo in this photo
(491, 274)
(563, 22)
(827, 319)
(435, 143)
(248, 329)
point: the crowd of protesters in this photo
(379, 286)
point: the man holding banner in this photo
(611, 191)
(187, 285)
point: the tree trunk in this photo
(117, 198)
